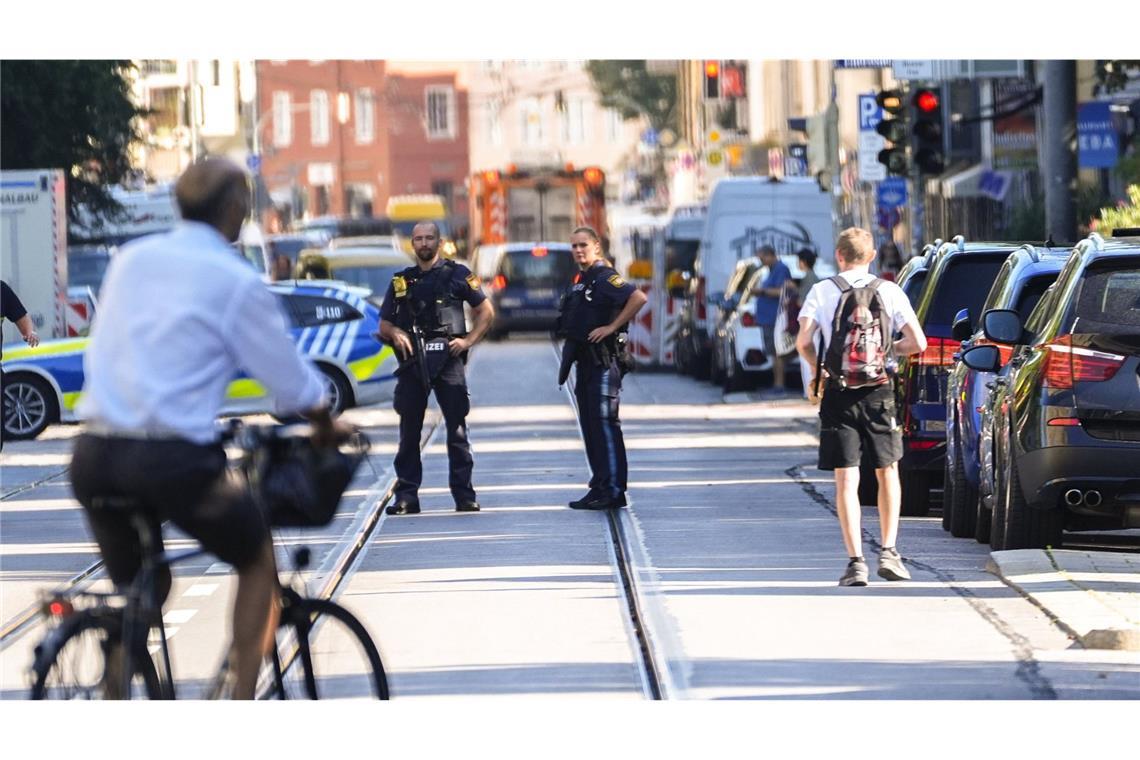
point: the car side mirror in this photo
(1002, 326)
(982, 358)
(962, 329)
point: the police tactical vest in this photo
(441, 313)
(579, 312)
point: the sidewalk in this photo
(1094, 595)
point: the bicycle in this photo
(98, 645)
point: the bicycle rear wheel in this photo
(330, 655)
(72, 662)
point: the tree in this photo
(1123, 215)
(629, 88)
(72, 115)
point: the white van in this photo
(745, 213)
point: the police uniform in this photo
(433, 300)
(597, 296)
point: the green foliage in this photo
(72, 115)
(1113, 75)
(1027, 222)
(1124, 215)
(627, 87)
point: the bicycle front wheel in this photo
(82, 659)
(327, 654)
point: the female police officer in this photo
(598, 304)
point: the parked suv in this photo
(959, 276)
(1023, 279)
(1067, 422)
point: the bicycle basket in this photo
(301, 484)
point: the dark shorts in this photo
(852, 422)
(183, 482)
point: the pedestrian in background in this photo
(593, 311)
(768, 294)
(857, 313)
(806, 259)
(890, 261)
(427, 298)
(12, 309)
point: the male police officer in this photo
(422, 318)
(598, 304)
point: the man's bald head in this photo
(214, 191)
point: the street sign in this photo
(892, 192)
(253, 161)
(863, 63)
(908, 69)
(995, 184)
(1098, 146)
(870, 141)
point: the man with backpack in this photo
(857, 315)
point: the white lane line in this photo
(217, 568)
(178, 616)
(201, 589)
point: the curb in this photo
(1092, 596)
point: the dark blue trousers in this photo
(597, 389)
(410, 402)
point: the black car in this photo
(1067, 422)
(959, 276)
(525, 282)
(1022, 281)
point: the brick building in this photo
(341, 137)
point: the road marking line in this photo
(217, 568)
(201, 589)
(178, 616)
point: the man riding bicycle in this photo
(180, 315)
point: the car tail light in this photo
(921, 444)
(1064, 422)
(1067, 364)
(939, 352)
(748, 319)
(499, 282)
(701, 313)
(538, 252)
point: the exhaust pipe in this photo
(1074, 498)
(1093, 499)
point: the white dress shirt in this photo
(823, 299)
(179, 316)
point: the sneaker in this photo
(891, 566)
(856, 574)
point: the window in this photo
(1108, 299)
(613, 125)
(531, 126)
(365, 117)
(957, 288)
(282, 120)
(443, 188)
(440, 109)
(164, 104)
(492, 123)
(319, 117)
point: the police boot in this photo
(404, 507)
(467, 506)
(581, 503)
(604, 501)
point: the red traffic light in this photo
(926, 101)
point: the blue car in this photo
(525, 283)
(1020, 283)
(332, 324)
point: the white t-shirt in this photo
(823, 299)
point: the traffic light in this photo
(894, 130)
(926, 129)
(712, 80)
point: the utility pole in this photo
(1060, 134)
(832, 132)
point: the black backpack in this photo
(859, 352)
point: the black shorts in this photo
(852, 422)
(180, 481)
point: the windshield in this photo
(405, 228)
(555, 269)
(87, 271)
(375, 278)
(680, 254)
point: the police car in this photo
(332, 324)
